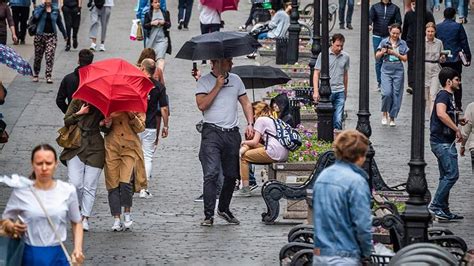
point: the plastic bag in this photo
(136, 30)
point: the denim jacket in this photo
(40, 15)
(342, 214)
(25, 3)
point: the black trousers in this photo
(3, 38)
(219, 149)
(119, 197)
(457, 93)
(20, 16)
(72, 19)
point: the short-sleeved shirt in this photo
(61, 204)
(109, 3)
(401, 47)
(439, 132)
(156, 99)
(223, 111)
(265, 126)
(338, 65)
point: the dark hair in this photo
(446, 74)
(85, 57)
(42, 147)
(338, 37)
(395, 26)
(449, 13)
(146, 53)
(350, 145)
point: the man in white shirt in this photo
(100, 14)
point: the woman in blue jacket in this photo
(393, 52)
(47, 16)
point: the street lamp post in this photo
(294, 33)
(363, 122)
(416, 216)
(316, 46)
(325, 109)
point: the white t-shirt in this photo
(109, 3)
(208, 15)
(61, 204)
(274, 149)
(223, 111)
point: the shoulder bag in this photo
(69, 137)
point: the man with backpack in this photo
(100, 14)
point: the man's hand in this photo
(316, 96)
(249, 131)
(462, 151)
(220, 81)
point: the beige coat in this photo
(468, 129)
(123, 152)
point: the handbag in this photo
(140, 31)
(69, 137)
(32, 25)
(51, 224)
(11, 251)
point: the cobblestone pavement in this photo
(166, 229)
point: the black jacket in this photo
(147, 25)
(68, 86)
(409, 26)
(382, 16)
(283, 103)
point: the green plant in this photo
(311, 149)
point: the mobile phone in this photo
(446, 52)
(22, 221)
(195, 68)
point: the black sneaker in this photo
(74, 43)
(228, 216)
(453, 216)
(208, 221)
(349, 26)
(68, 47)
(341, 27)
(409, 90)
(441, 215)
(200, 198)
(180, 25)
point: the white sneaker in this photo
(102, 47)
(392, 123)
(145, 194)
(85, 225)
(117, 227)
(127, 223)
(93, 47)
(384, 121)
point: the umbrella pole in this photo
(253, 95)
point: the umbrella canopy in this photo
(13, 60)
(114, 85)
(221, 5)
(218, 45)
(255, 77)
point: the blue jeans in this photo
(447, 156)
(338, 99)
(262, 36)
(391, 87)
(378, 62)
(462, 9)
(342, 10)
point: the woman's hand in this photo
(15, 229)
(107, 122)
(84, 110)
(14, 38)
(77, 256)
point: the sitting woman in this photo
(253, 151)
(278, 26)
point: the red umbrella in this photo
(221, 5)
(114, 85)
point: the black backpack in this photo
(99, 3)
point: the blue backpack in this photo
(286, 135)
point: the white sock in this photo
(126, 216)
(117, 219)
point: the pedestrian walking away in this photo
(210, 20)
(217, 96)
(381, 16)
(72, 19)
(342, 212)
(185, 8)
(252, 151)
(44, 210)
(124, 164)
(85, 163)
(393, 52)
(408, 35)
(100, 15)
(48, 16)
(468, 133)
(343, 15)
(157, 24)
(157, 103)
(21, 13)
(455, 40)
(339, 63)
(70, 82)
(434, 55)
(444, 133)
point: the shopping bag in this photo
(11, 251)
(134, 29)
(140, 32)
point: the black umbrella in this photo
(255, 77)
(218, 45)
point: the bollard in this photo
(281, 51)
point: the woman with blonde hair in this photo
(254, 152)
(342, 214)
(433, 58)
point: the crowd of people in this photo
(122, 144)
